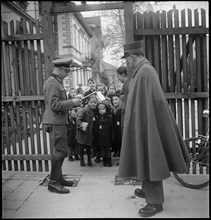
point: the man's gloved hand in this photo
(76, 102)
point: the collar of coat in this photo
(142, 62)
(57, 77)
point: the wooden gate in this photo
(178, 51)
(24, 145)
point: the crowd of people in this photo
(95, 128)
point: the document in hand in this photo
(84, 125)
(100, 96)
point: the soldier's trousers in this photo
(58, 138)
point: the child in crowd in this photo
(104, 133)
(72, 93)
(92, 85)
(101, 88)
(96, 149)
(111, 91)
(116, 114)
(84, 128)
(73, 148)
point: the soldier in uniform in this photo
(55, 121)
(152, 145)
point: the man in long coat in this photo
(152, 145)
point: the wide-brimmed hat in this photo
(134, 47)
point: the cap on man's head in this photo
(64, 62)
(134, 47)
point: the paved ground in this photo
(95, 196)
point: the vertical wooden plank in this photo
(156, 41)
(14, 69)
(20, 60)
(149, 43)
(171, 62)
(129, 32)
(185, 78)
(19, 133)
(198, 71)
(8, 131)
(178, 73)
(30, 132)
(14, 78)
(48, 41)
(5, 48)
(192, 73)
(24, 126)
(32, 62)
(140, 24)
(39, 63)
(164, 54)
(39, 145)
(204, 65)
(26, 65)
(21, 91)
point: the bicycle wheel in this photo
(197, 176)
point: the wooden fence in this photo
(24, 145)
(176, 45)
(178, 51)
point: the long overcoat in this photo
(85, 114)
(152, 144)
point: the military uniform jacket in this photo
(152, 145)
(57, 105)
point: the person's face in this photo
(102, 109)
(116, 101)
(101, 89)
(111, 90)
(92, 84)
(64, 72)
(129, 60)
(72, 93)
(121, 78)
(92, 103)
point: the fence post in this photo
(129, 32)
(48, 41)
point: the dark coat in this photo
(85, 114)
(104, 125)
(152, 144)
(57, 105)
(117, 126)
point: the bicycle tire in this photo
(189, 180)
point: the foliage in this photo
(113, 29)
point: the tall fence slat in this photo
(171, 63)
(185, 77)
(164, 71)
